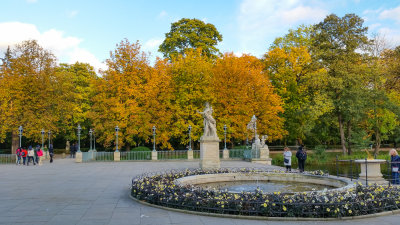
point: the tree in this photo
(121, 95)
(300, 37)
(299, 86)
(191, 33)
(335, 43)
(241, 90)
(29, 92)
(191, 75)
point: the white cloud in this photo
(152, 44)
(65, 48)
(162, 14)
(393, 14)
(392, 36)
(260, 21)
(72, 14)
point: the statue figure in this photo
(263, 139)
(67, 146)
(210, 126)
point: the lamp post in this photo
(94, 141)
(90, 133)
(190, 137)
(42, 132)
(79, 137)
(116, 138)
(20, 129)
(49, 133)
(154, 138)
(225, 136)
(255, 127)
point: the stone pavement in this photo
(97, 193)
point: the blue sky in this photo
(87, 31)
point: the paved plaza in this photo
(97, 193)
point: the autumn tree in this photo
(29, 94)
(241, 90)
(191, 33)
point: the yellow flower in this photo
(265, 205)
(284, 208)
(350, 211)
(328, 209)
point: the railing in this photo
(97, 156)
(8, 158)
(196, 154)
(175, 155)
(135, 155)
(236, 153)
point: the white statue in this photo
(263, 139)
(210, 126)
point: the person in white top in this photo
(31, 155)
(287, 159)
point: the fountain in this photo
(371, 170)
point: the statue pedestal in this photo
(264, 156)
(209, 153)
(225, 154)
(190, 154)
(78, 157)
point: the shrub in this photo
(140, 149)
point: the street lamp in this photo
(90, 133)
(79, 137)
(94, 141)
(116, 136)
(254, 126)
(225, 136)
(20, 129)
(49, 133)
(42, 132)
(154, 138)
(190, 138)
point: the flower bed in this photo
(161, 190)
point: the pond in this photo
(265, 186)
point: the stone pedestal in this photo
(209, 153)
(264, 156)
(78, 157)
(154, 155)
(190, 154)
(117, 156)
(372, 170)
(225, 154)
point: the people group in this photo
(301, 156)
(33, 155)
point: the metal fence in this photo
(175, 155)
(7, 158)
(97, 156)
(135, 155)
(236, 153)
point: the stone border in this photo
(386, 213)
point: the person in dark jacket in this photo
(395, 162)
(72, 151)
(301, 156)
(51, 152)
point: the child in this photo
(19, 155)
(40, 155)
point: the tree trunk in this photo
(14, 142)
(348, 137)
(128, 147)
(377, 142)
(342, 138)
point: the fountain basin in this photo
(331, 183)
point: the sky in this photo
(87, 30)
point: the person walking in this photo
(24, 154)
(36, 154)
(395, 164)
(71, 151)
(40, 155)
(301, 156)
(51, 152)
(287, 159)
(18, 153)
(31, 154)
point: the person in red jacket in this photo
(24, 155)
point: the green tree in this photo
(300, 37)
(335, 44)
(191, 33)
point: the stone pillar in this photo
(78, 157)
(209, 153)
(372, 170)
(225, 154)
(264, 156)
(190, 155)
(117, 156)
(154, 155)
